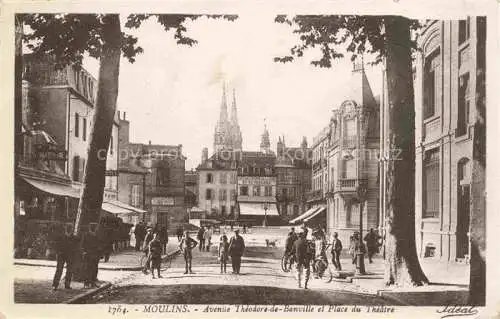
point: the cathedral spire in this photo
(234, 112)
(223, 106)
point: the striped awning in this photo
(316, 213)
(305, 215)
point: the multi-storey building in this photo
(293, 178)
(191, 189)
(447, 87)
(217, 185)
(353, 153)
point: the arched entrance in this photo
(463, 208)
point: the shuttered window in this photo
(431, 184)
(76, 168)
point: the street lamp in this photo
(360, 253)
(266, 207)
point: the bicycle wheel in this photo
(284, 264)
(166, 263)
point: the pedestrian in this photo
(244, 229)
(223, 253)
(65, 247)
(303, 258)
(131, 236)
(155, 250)
(163, 236)
(91, 256)
(352, 246)
(145, 248)
(372, 243)
(290, 240)
(201, 238)
(208, 238)
(186, 246)
(336, 251)
(236, 249)
(179, 233)
(139, 235)
(319, 251)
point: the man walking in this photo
(336, 251)
(66, 245)
(186, 246)
(155, 250)
(303, 256)
(208, 238)
(236, 249)
(147, 239)
(371, 244)
(163, 235)
(201, 238)
(290, 240)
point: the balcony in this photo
(350, 141)
(351, 184)
(316, 195)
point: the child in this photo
(155, 248)
(223, 253)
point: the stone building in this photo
(446, 85)
(293, 178)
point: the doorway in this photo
(463, 209)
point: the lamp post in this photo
(360, 253)
(266, 207)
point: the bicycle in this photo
(166, 262)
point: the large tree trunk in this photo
(402, 267)
(94, 177)
(477, 289)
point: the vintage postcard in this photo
(235, 159)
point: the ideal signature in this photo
(455, 311)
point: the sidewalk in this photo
(448, 283)
(123, 260)
(33, 278)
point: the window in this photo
(223, 210)
(431, 184)
(85, 93)
(76, 74)
(208, 194)
(244, 190)
(76, 168)
(463, 30)
(84, 129)
(210, 178)
(91, 90)
(163, 176)
(268, 191)
(350, 127)
(349, 168)
(295, 210)
(284, 209)
(256, 191)
(223, 178)
(233, 195)
(431, 84)
(222, 194)
(111, 146)
(77, 124)
(463, 105)
(135, 195)
(284, 192)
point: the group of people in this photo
(141, 232)
(204, 237)
(304, 253)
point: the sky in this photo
(172, 93)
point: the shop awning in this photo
(258, 209)
(53, 188)
(305, 215)
(316, 213)
(116, 210)
(125, 206)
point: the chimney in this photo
(119, 118)
(124, 115)
(149, 142)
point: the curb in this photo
(87, 294)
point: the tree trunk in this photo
(477, 288)
(402, 267)
(107, 91)
(18, 91)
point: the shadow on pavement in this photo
(224, 294)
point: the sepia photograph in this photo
(250, 162)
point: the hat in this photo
(236, 230)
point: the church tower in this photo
(227, 135)
(265, 144)
(237, 139)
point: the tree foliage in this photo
(360, 34)
(67, 37)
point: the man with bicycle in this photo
(303, 258)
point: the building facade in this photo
(446, 90)
(353, 157)
(317, 196)
(293, 178)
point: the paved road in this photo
(261, 282)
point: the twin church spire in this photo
(227, 134)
